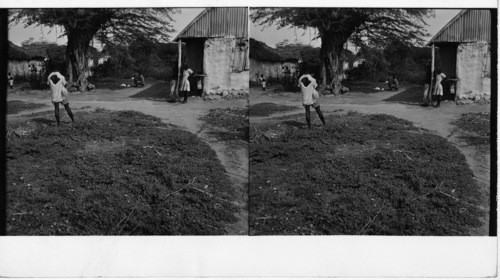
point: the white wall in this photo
(21, 68)
(239, 80)
(269, 69)
(472, 58)
(217, 65)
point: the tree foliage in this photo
(154, 60)
(406, 63)
(337, 26)
(82, 26)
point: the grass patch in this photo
(15, 106)
(113, 173)
(476, 128)
(229, 123)
(267, 108)
(365, 174)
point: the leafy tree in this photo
(141, 49)
(407, 63)
(82, 26)
(119, 64)
(154, 60)
(337, 26)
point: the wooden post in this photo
(432, 68)
(179, 63)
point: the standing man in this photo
(59, 94)
(310, 97)
(173, 97)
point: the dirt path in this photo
(402, 104)
(233, 158)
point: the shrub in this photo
(289, 82)
(37, 79)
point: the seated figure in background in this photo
(392, 83)
(138, 79)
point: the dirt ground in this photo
(402, 104)
(151, 100)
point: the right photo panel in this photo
(371, 121)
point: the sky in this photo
(269, 35)
(19, 33)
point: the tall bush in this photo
(38, 79)
(289, 82)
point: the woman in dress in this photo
(438, 88)
(185, 88)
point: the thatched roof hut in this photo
(268, 62)
(17, 53)
(20, 61)
(262, 52)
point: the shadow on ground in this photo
(295, 123)
(410, 96)
(111, 83)
(367, 87)
(44, 121)
(16, 106)
(158, 92)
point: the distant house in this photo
(267, 61)
(465, 52)
(21, 64)
(217, 48)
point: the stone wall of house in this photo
(239, 80)
(218, 59)
(20, 68)
(473, 70)
(269, 69)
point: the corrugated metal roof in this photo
(218, 22)
(471, 25)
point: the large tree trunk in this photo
(77, 52)
(331, 54)
(69, 69)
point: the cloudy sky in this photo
(270, 35)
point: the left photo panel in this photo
(127, 121)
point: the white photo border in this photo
(249, 256)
